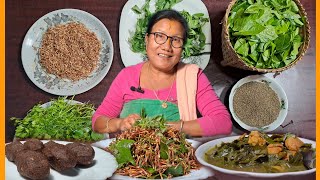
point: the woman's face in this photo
(164, 57)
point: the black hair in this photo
(171, 15)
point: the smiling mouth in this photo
(163, 55)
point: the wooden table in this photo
(21, 94)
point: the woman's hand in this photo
(178, 125)
(127, 123)
(105, 124)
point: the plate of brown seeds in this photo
(257, 102)
(67, 52)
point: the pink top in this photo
(215, 118)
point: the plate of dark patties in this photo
(47, 159)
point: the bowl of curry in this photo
(259, 155)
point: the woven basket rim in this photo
(302, 49)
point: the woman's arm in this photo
(111, 106)
(215, 118)
(191, 128)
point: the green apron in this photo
(152, 108)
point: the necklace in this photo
(163, 103)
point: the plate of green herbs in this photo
(267, 34)
(133, 25)
(59, 119)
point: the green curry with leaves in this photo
(258, 152)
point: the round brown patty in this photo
(32, 164)
(85, 153)
(13, 149)
(33, 144)
(59, 156)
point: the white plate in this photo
(279, 91)
(104, 165)
(128, 25)
(201, 150)
(202, 173)
(50, 83)
(72, 102)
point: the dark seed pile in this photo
(256, 104)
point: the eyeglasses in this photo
(161, 38)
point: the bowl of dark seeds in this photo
(258, 103)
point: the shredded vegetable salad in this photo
(153, 150)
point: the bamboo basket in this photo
(231, 58)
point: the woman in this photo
(153, 85)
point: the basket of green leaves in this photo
(264, 35)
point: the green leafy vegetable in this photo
(122, 151)
(157, 122)
(195, 41)
(175, 171)
(266, 34)
(61, 121)
(163, 151)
